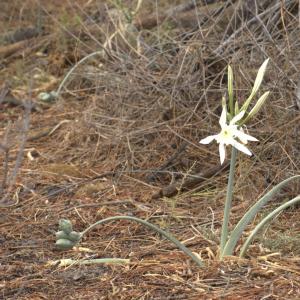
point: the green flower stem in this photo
(227, 208)
(168, 236)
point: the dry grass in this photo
(121, 118)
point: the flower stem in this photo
(227, 208)
(165, 234)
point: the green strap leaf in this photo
(165, 234)
(266, 220)
(249, 216)
(57, 93)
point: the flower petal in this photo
(241, 137)
(208, 139)
(238, 117)
(241, 148)
(244, 137)
(223, 117)
(222, 152)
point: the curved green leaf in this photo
(165, 234)
(249, 215)
(267, 219)
(73, 68)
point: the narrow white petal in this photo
(208, 139)
(238, 117)
(245, 137)
(223, 117)
(241, 148)
(242, 138)
(222, 152)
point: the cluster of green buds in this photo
(66, 238)
(234, 107)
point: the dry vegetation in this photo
(122, 139)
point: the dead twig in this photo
(21, 34)
(9, 180)
(220, 49)
(180, 14)
(189, 183)
(168, 162)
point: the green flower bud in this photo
(257, 83)
(230, 90)
(63, 244)
(61, 235)
(74, 236)
(257, 107)
(65, 225)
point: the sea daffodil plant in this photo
(232, 134)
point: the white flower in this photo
(229, 134)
